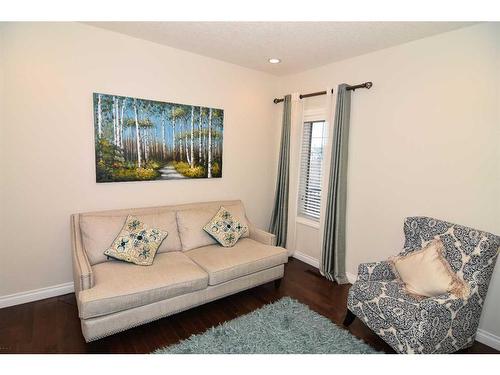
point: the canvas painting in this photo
(139, 140)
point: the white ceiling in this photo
(300, 45)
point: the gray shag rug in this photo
(283, 327)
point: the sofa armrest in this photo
(262, 236)
(82, 271)
(376, 271)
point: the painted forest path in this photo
(168, 172)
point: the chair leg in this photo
(277, 283)
(349, 318)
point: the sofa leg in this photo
(277, 283)
(349, 318)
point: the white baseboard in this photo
(315, 263)
(488, 338)
(306, 258)
(35, 295)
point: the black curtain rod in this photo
(366, 85)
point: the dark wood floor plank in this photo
(52, 325)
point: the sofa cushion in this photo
(99, 232)
(120, 286)
(227, 263)
(191, 222)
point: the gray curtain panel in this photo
(279, 219)
(333, 251)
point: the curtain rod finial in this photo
(369, 85)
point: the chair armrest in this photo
(82, 271)
(262, 236)
(376, 271)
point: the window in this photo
(311, 164)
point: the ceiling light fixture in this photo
(274, 60)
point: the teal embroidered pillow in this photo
(136, 243)
(225, 228)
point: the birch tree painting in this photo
(138, 140)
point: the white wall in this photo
(2, 96)
(47, 149)
(425, 140)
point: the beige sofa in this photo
(189, 269)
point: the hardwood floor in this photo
(52, 325)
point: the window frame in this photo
(311, 117)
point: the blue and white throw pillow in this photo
(136, 243)
(225, 228)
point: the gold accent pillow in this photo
(136, 243)
(225, 228)
(427, 273)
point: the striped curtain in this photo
(333, 250)
(279, 219)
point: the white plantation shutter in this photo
(311, 169)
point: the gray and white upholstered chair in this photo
(442, 324)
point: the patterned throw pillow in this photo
(225, 228)
(136, 243)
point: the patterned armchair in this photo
(442, 324)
